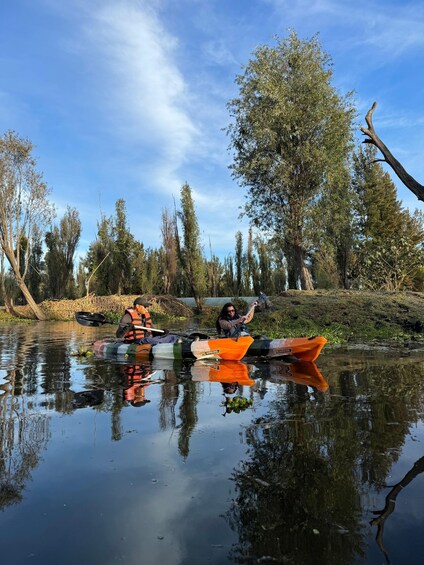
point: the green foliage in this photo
(190, 252)
(236, 404)
(62, 244)
(291, 135)
(390, 249)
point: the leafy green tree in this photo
(252, 266)
(265, 267)
(291, 132)
(390, 243)
(335, 234)
(37, 268)
(228, 277)
(110, 258)
(239, 260)
(62, 244)
(169, 256)
(98, 262)
(121, 252)
(190, 252)
(214, 273)
(24, 205)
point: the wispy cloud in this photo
(148, 101)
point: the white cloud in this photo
(148, 101)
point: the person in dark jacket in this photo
(231, 323)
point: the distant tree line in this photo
(323, 212)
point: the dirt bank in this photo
(114, 306)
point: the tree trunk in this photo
(8, 305)
(39, 314)
(302, 269)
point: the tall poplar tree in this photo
(190, 251)
(239, 263)
(291, 132)
(169, 263)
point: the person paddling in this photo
(139, 316)
(231, 322)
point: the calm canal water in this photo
(309, 465)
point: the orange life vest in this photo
(137, 319)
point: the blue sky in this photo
(127, 98)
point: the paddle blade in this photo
(91, 319)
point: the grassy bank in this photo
(340, 316)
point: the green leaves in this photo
(291, 132)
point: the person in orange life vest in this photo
(140, 316)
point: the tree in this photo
(36, 280)
(190, 253)
(334, 234)
(169, 246)
(214, 272)
(62, 243)
(122, 250)
(291, 132)
(239, 263)
(253, 275)
(98, 262)
(24, 206)
(390, 239)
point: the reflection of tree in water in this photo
(178, 386)
(298, 496)
(23, 435)
(188, 416)
(389, 506)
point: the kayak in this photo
(302, 348)
(232, 349)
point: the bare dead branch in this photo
(372, 137)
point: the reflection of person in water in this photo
(234, 403)
(229, 388)
(136, 381)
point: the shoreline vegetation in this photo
(343, 317)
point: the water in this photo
(97, 468)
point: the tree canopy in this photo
(291, 135)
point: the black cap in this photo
(142, 301)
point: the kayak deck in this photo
(303, 348)
(232, 349)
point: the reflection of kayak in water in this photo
(220, 348)
(303, 373)
(222, 372)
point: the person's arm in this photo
(226, 325)
(123, 325)
(249, 316)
